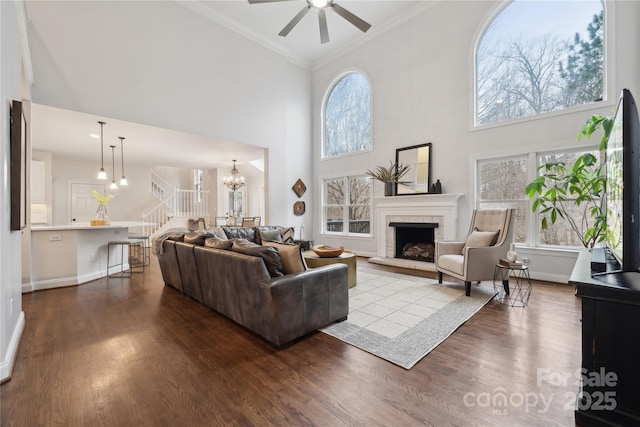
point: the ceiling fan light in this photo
(319, 4)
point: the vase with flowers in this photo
(102, 218)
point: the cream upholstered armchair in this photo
(474, 259)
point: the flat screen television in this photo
(622, 164)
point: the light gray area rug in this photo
(402, 318)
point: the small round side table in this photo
(517, 294)
(348, 258)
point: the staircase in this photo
(173, 203)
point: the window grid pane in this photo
(347, 117)
(540, 57)
(357, 214)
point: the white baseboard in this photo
(6, 367)
(38, 285)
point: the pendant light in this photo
(123, 180)
(113, 185)
(102, 174)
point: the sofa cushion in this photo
(197, 237)
(247, 233)
(270, 235)
(269, 255)
(291, 256)
(452, 263)
(218, 243)
(480, 239)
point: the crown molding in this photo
(201, 9)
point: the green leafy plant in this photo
(392, 174)
(559, 186)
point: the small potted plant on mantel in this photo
(390, 176)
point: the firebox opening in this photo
(415, 241)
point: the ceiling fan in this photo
(321, 5)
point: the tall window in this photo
(560, 233)
(501, 182)
(347, 205)
(347, 116)
(540, 56)
(197, 184)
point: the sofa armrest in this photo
(303, 302)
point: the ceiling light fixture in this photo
(234, 181)
(113, 185)
(102, 174)
(123, 180)
(319, 4)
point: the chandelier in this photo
(234, 181)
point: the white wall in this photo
(127, 204)
(421, 74)
(11, 87)
(160, 64)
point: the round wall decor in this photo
(298, 208)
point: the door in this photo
(83, 205)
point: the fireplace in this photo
(441, 209)
(415, 240)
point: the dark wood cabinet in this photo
(609, 392)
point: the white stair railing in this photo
(160, 188)
(181, 203)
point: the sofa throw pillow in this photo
(287, 234)
(270, 236)
(480, 239)
(196, 237)
(269, 255)
(176, 237)
(218, 232)
(291, 256)
(218, 243)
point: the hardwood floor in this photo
(122, 352)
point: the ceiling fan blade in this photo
(324, 30)
(265, 1)
(361, 24)
(294, 21)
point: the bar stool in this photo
(133, 248)
(141, 242)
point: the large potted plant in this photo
(390, 176)
(560, 186)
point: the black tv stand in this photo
(610, 345)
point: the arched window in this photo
(540, 56)
(347, 116)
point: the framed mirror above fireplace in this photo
(418, 159)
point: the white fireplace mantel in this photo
(444, 207)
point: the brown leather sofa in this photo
(239, 286)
